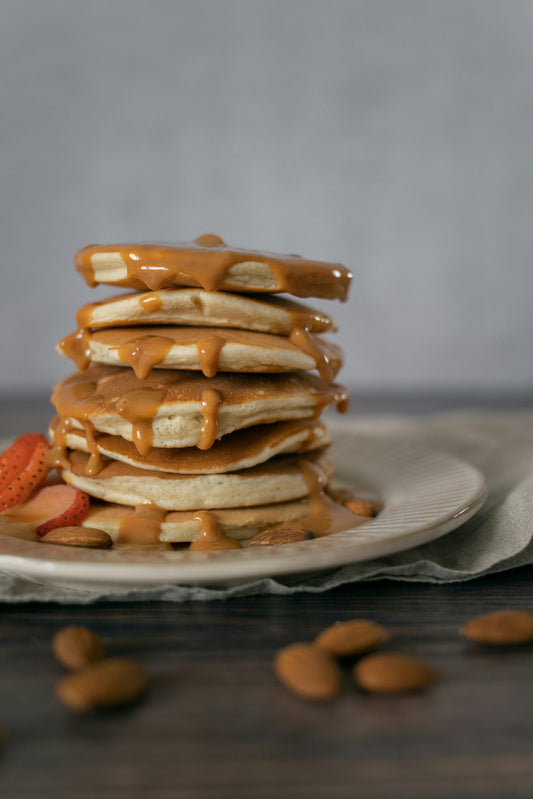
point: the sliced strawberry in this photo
(22, 468)
(55, 506)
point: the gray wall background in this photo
(392, 135)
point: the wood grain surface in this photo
(215, 722)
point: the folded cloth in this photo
(497, 538)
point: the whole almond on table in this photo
(78, 536)
(106, 684)
(500, 628)
(308, 671)
(280, 535)
(353, 637)
(392, 673)
(77, 647)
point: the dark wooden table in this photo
(215, 723)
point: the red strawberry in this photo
(22, 468)
(55, 506)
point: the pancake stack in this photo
(193, 415)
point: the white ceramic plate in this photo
(425, 494)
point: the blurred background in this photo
(392, 135)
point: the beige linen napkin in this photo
(499, 537)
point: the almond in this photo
(308, 671)
(352, 638)
(500, 628)
(77, 536)
(280, 535)
(392, 673)
(108, 683)
(361, 507)
(77, 647)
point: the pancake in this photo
(184, 409)
(206, 309)
(210, 264)
(182, 527)
(208, 349)
(286, 477)
(240, 450)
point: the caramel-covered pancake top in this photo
(205, 348)
(185, 408)
(97, 390)
(198, 307)
(209, 263)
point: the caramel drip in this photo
(85, 312)
(310, 319)
(77, 346)
(209, 348)
(325, 516)
(205, 262)
(95, 463)
(143, 525)
(211, 400)
(144, 352)
(211, 536)
(150, 302)
(302, 339)
(314, 478)
(77, 399)
(139, 407)
(56, 457)
(209, 240)
(309, 440)
(343, 404)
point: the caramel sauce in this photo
(209, 348)
(310, 438)
(211, 400)
(56, 457)
(144, 352)
(142, 526)
(150, 302)
(326, 366)
(211, 536)
(206, 261)
(343, 404)
(96, 390)
(325, 515)
(78, 398)
(95, 463)
(77, 346)
(139, 407)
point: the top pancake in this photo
(207, 262)
(203, 308)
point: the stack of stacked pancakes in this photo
(194, 413)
